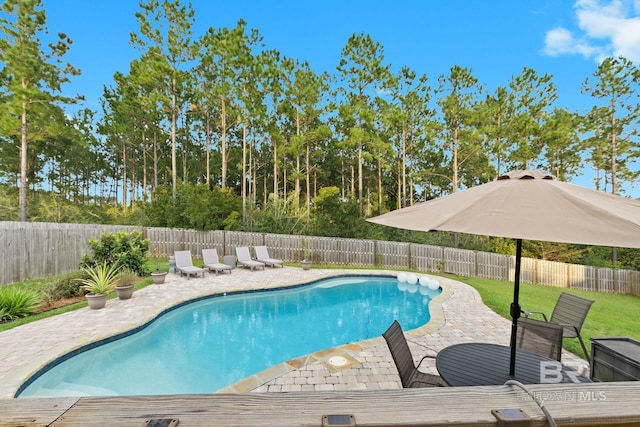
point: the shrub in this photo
(126, 277)
(194, 206)
(66, 287)
(16, 302)
(122, 250)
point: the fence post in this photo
(375, 252)
(475, 263)
(409, 257)
(224, 242)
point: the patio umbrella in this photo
(530, 205)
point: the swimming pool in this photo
(204, 346)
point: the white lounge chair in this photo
(211, 260)
(244, 258)
(184, 264)
(262, 255)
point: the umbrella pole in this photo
(515, 308)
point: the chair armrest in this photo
(529, 313)
(428, 356)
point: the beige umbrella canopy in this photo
(530, 205)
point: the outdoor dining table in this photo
(474, 364)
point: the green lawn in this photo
(610, 314)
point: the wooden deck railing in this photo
(596, 404)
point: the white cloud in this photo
(560, 41)
(604, 29)
(627, 40)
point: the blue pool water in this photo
(204, 346)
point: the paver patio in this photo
(457, 315)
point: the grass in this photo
(610, 314)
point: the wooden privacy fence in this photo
(32, 250)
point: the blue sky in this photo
(495, 38)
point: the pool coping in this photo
(27, 366)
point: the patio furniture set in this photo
(538, 347)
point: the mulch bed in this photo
(59, 303)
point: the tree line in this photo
(221, 114)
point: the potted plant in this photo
(100, 282)
(124, 283)
(306, 262)
(158, 276)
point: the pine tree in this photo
(33, 78)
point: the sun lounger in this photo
(244, 258)
(184, 264)
(262, 255)
(211, 261)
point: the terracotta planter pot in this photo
(96, 301)
(124, 292)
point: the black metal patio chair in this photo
(410, 376)
(570, 311)
(540, 337)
